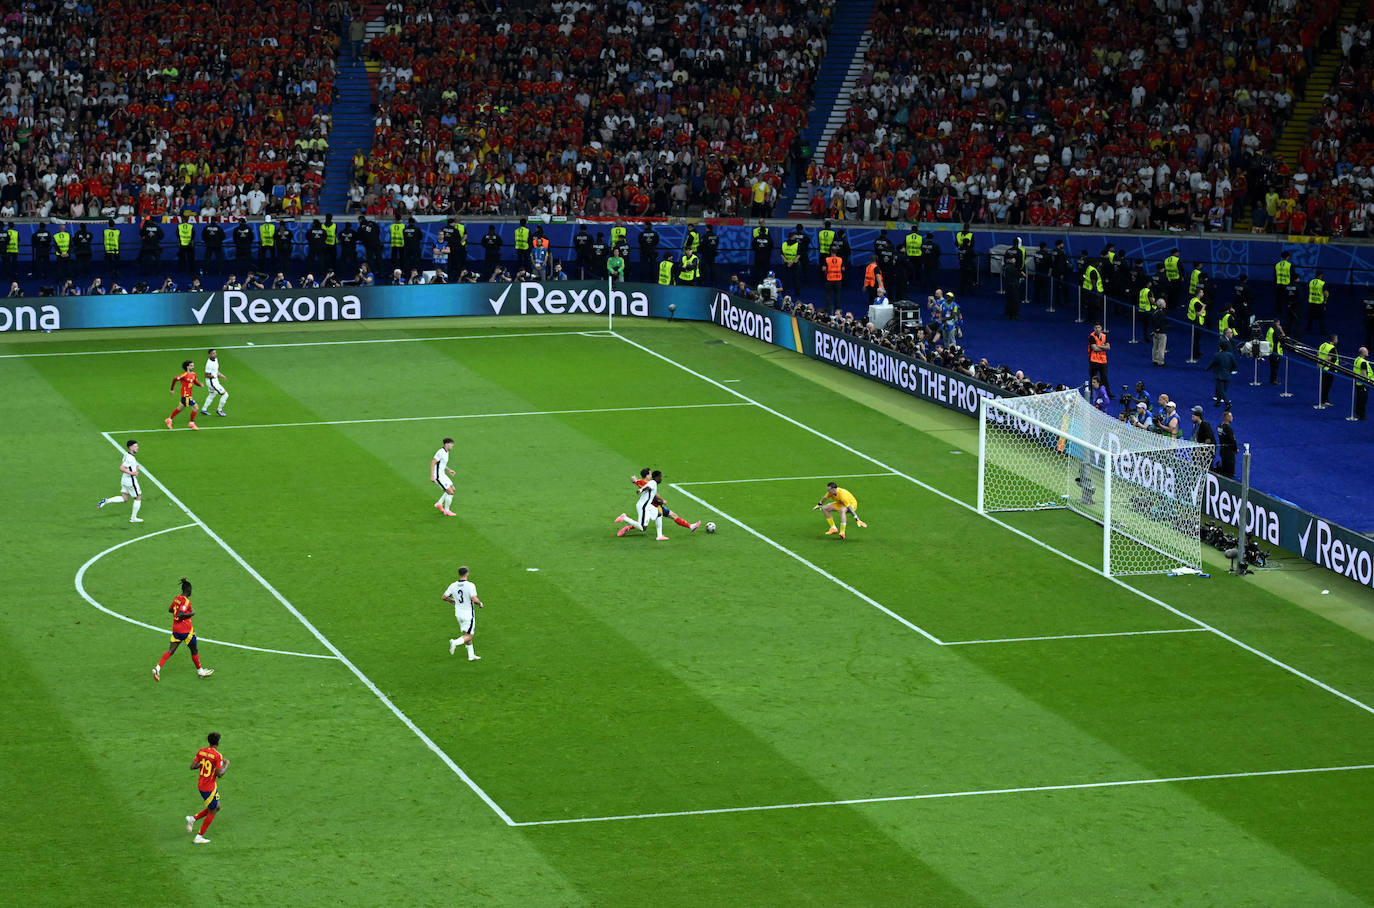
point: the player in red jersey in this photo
(188, 380)
(659, 503)
(210, 765)
(182, 632)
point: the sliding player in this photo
(212, 381)
(188, 380)
(645, 509)
(659, 503)
(210, 766)
(437, 468)
(182, 632)
(838, 499)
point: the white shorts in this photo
(648, 512)
(444, 483)
(128, 485)
(467, 621)
(212, 382)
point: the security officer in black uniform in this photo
(930, 261)
(370, 236)
(894, 272)
(212, 235)
(648, 252)
(582, 248)
(150, 250)
(40, 242)
(456, 235)
(710, 248)
(82, 242)
(314, 247)
(491, 250)
(243, 246)
(762, 247)
(411, 238)
(347, 252)
(968, 261)
(1243, 302)
(597, 254)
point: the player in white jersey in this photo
(130, 488)
(463, 596)
(213, 378)
(439, 474)
(645, 509)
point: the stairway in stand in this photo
(846, 48)
(352, 122)
(1297, 132)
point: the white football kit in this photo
(128, 485)
(441, 470)
(462, 592)
(645, 510)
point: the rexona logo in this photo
(725, 313)
(541, 299)
(1344, 556)
(1225, 506)
(237, 307)
(30, 318)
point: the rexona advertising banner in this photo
(265, 307)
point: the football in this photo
(710, 527)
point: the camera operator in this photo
(769, 289)
(1140, 416)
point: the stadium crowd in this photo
(144, 107)
(1140, 115)
(588, 107)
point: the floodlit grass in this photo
(937, 710)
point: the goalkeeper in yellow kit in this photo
(838, 499)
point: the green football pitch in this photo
(941, 709)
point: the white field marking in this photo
(334, 343)
(81, 589)
(1044, 545)
(1120, 783)
(453, 416)
(720, 482)
(815, 567)
(324, 641)
(1176, 630)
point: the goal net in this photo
(1056, 451)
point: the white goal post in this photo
(1056, 451)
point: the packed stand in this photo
(1077, 114)
(588, 107)
(1331, 191)
(145, 107)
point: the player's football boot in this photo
(157, 672)
(832, 531)
(168, 421)
(192, 425)
(448, 513)
(220, 413)
(661, 538)
(201, 840)
(474, 658)
(205, 672)
(860, 522)
(135, 519)
(623, 530)
(694, 526)
(101, 503)
(622, 519)
(453, 645)
(190, 824)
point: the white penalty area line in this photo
(324, 641)
(452, 416)
(1176, 630)
(935, 796)
(812, 565)
(81, 589)
(1024, 535)
(720, 482)
(331, 343)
